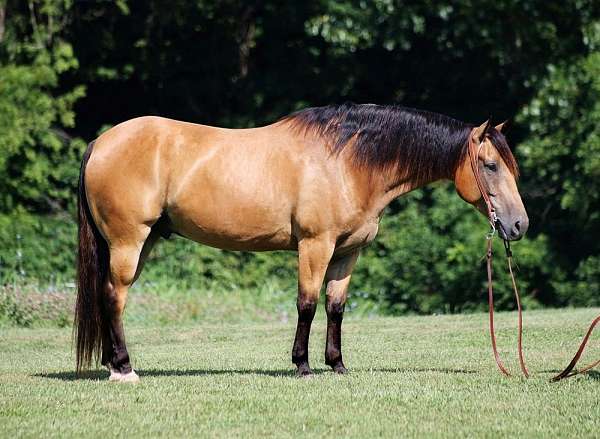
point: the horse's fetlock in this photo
(333, 356)
(120, 361)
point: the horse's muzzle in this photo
(514, 229)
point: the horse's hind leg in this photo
(125, 265)
(313, 257)
(337, 280)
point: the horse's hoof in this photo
(340, 369)
(118, 377)
(337, 366)
(115, 375)
(304, 372)
(130, 377)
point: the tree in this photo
(562, 161)
(38, 159)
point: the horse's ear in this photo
(481, 130)
(501, 126)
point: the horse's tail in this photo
(92, 268)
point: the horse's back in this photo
(239, 189)
(236, 189)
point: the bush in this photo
(429, 257)
(31, 307)
(37, 249)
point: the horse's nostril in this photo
(516, 231)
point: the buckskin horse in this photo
(316, 182)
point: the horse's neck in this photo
(390, 187)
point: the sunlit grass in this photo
(410, 376)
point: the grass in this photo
(411, 376)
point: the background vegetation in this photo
(69, 69)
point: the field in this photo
(411, 376)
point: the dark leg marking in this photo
(114, 351)
(337, 279)
(306, 313)
(333, 344)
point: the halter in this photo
(474, 147)
(474, 151)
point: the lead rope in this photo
(520, 312)
(568, 371)
(491, 304)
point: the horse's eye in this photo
(491, 166)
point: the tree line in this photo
(71, 69)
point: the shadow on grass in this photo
(443, 370)
(96, 375)
(101, 375)
(591, 375)
(594, 374)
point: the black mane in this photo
(421, 145)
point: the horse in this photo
(316, 182)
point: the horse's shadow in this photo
(96, 375)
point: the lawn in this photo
(411, 376)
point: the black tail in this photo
(92, 268)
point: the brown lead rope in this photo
(520, 312)
(473, 150)
(491, 304)
(567, 372)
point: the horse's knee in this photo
(306, 309)
(335, 309)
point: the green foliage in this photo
(29, 307)
(561, 159)
(429, 257)
(564, 157)
(70, 69)
(32, 305)
(586, 291)
(38, 159)
(37, 249)
(195, 266)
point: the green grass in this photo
(410, 376)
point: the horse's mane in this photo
(421, 145)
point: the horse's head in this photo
(498, 172)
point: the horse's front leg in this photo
(337, 280)
(314, 255)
